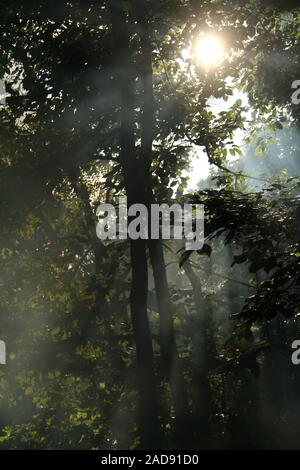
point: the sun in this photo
(209, 51)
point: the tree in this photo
(102, 104)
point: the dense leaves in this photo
(102, 101)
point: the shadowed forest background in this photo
(139, 344)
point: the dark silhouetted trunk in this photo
(169, 351)
(203, 360)
(134, 181)
(170, 357)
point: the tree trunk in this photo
(170, 357)
(132, 168)
(169, 352)
(203, 360)
(167, 338)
